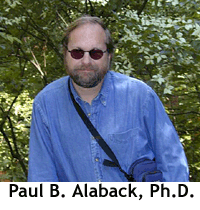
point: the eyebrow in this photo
(94, 48)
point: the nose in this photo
(86, 58)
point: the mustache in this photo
(82, 67)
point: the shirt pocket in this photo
(122, 145)
(129, 146)
(121, 138)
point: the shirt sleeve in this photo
(164, 141)
(41, 164)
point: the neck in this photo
(87, 94)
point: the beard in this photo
(90, 78)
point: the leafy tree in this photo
(161, 46)
(157, 41)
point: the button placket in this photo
(92, 115)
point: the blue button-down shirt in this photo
(128, 115)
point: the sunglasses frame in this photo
(90, 53)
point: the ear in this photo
(110, 57)
(65, 55)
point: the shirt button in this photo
(92, 138)
(89, 114)
(97, 159)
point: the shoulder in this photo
(123, 82)
(56, 87)
(131, 87)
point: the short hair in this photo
(89, 19)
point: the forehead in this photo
(87, 36)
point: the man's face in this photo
(87, 72)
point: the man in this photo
(125, 111)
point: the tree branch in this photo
(86, 7)
(71, 7)
(16, 154)
(192, 112)
(92, 10)
(7, 141)
(8, 112)
(32, 23)
(197, 89)
(142, 8)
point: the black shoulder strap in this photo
(98, 138)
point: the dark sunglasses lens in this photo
(96, 54)
(77, 54)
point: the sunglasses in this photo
(94, 54)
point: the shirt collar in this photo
(102, 96)
(75, 94)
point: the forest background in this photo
(157, 41)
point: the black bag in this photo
(134, 172)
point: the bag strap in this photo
(98, 138)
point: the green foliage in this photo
(161, 47)
(156, 41)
